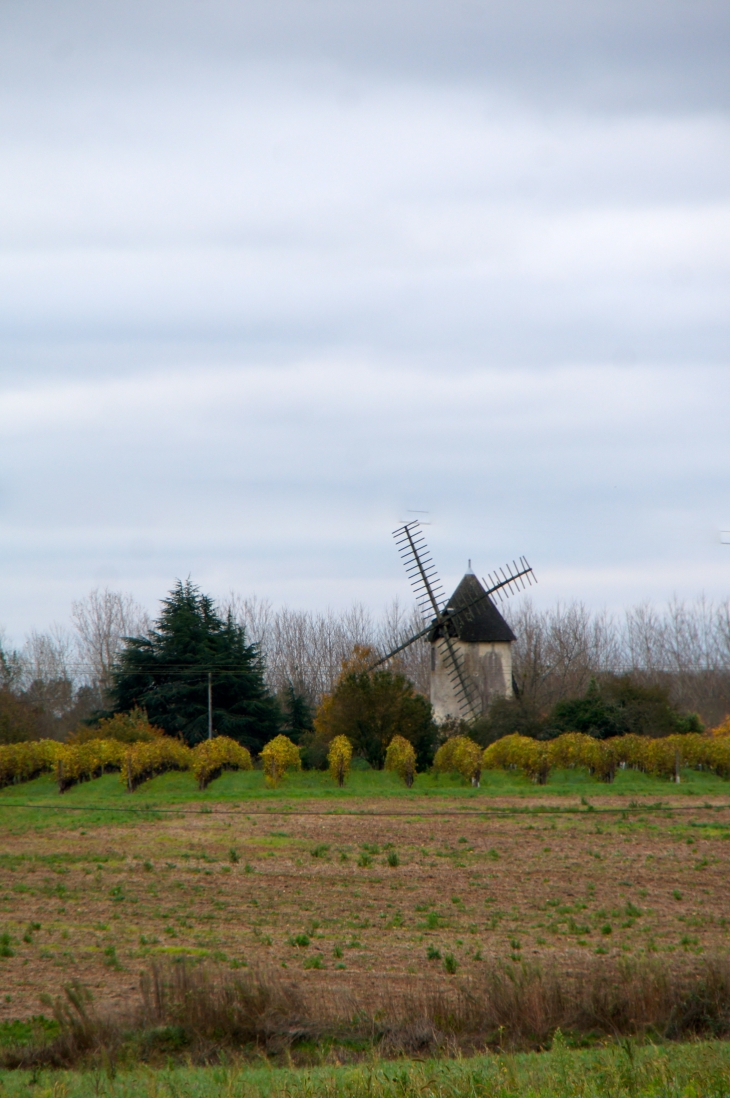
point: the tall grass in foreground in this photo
(625, 1070)
(204, 1014)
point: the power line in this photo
(169, 669)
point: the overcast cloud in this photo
(275, 276)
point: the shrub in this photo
(82, 762)
(211, 757)
(574, 749)
(278, 756)
(718, 754)
(339, 757)
(662, 758)
(144, 760)
(21, 762)
(532, 757)
(507, 715)
(313, 752)
(620, 705)
(460, 755)
(132, 727)
(519, 753)
(401, 757)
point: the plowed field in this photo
(345, 894)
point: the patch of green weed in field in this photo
(314, 962)
(450, 963)
(35, 1030)
(110, 958)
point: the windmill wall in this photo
(489, 665)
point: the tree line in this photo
(682, 649)
(284, 663)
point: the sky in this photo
(277, 277)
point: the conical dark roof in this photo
(480, 624)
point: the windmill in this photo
(448, 620)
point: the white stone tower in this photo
(483, 640)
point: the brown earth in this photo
(543, 880)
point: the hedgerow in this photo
(21, 762)
(211, 757)
(145, 760)
(137, 762)
(460, 755)
(84, 761)
(661, 758)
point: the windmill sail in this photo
(429, 595)
(443, 621)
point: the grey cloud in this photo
(607, 54)
(272, 274)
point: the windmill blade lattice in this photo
(429, 596)
(419, 568)
(505, 583)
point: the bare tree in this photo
(46, 677)
(396, 626)
(10, 665)
(557, 651)
(255, 614)
(102, 620)
(306, 650)
(685, 648)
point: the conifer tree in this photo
(166, 673)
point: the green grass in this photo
(105, 800)
(624, 1070)
(32, 1031)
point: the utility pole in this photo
(210, 705)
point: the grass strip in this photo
(627, 1069)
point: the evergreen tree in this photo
(298, 715)
(166, 673)
(619, 705)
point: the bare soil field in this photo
(349, 895)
